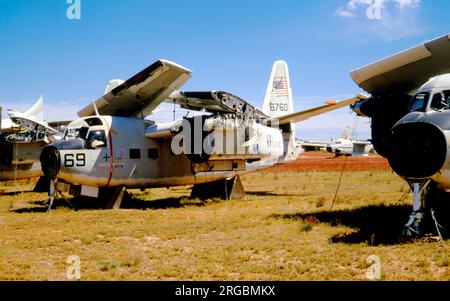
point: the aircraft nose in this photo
(419, 149)
(50, 161)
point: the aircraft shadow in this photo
(80, 203)
(13, 193)
(268, 193)
(375, 225)
(167, 203)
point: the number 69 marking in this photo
(70, 160)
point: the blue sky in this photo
(230, 45)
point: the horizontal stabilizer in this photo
(304, 115)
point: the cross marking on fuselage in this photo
(106, 157)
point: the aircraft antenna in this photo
(16, 187)
(354, 133)
(174, 110)
(339, 183)
(140, 110)
(15, 165)
(95, 108)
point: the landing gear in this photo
(422, 220)
(414, 225)
(52, 192)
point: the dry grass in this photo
(283, 230)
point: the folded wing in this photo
(142, 93)
(406, 71)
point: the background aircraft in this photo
(113, 147)
(346, 146)
(410, 117)
(22, 138)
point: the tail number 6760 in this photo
(283, 107)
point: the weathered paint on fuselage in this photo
(112, 165)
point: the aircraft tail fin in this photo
(36, 109)
(278, 97)
(346, 133)
(278, 102)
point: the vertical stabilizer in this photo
(278, 98)
(346, 134)
(278, 102)
(36, 109)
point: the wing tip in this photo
(173, 64)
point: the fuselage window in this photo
(419, 102)
(135, 153)
(153, 153)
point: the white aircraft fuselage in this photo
(127, 156)
(341, 147)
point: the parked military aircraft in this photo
(346, 146)
(409, 108)
(112, 146)
(22, 138)
(312, 145)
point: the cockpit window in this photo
(447, 96)
(419, 102)
(96, 138)
(439, 102)
(94, 121)
(76, 133)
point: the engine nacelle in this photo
(384, 112)
(362, 108)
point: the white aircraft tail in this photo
(278, 102)
(278, 98)
(35, 112)
(36, 109)
(346, 133)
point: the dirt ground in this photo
(321, 161)
(304, 221)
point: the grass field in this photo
(283, 230)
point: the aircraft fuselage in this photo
(114, 151)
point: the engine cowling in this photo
(419, 150)
(384, 112)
